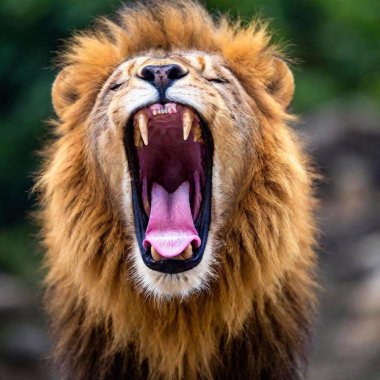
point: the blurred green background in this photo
(336, 44)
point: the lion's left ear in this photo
(281, 84)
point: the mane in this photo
(97, 311)
(166, 26)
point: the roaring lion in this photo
(176, 202)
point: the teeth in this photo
(137, 138)
(187, 253)
(159, 109)
(141, 119)
(146, 205)
(171, 108)
(145, 193)
(155, 255)
(187, 120)
(197, 132)
(188, 117)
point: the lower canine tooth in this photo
(155, 255)
(142, 122)
(188, 252)
(187, 120)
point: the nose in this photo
(162, 76)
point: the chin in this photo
(166, 286)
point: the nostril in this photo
(148, 74)
(176, 72)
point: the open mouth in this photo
(169, 150)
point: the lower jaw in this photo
(202, 224)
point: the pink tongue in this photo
(171, 228)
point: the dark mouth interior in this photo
(171, 186)
(169, 160)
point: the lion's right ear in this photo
(63, 92)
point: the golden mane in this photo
(257, 313)
(90, 57)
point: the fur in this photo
(250, 317)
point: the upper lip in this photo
(141, 217)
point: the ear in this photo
(63, 92)
(281, 85)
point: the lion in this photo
(176, 202)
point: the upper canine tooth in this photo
(142, 122)
(137, 138)
(187, 120)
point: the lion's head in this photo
(174, 175)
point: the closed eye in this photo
(115, 86)
(218, 80)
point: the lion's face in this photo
(172, 135)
